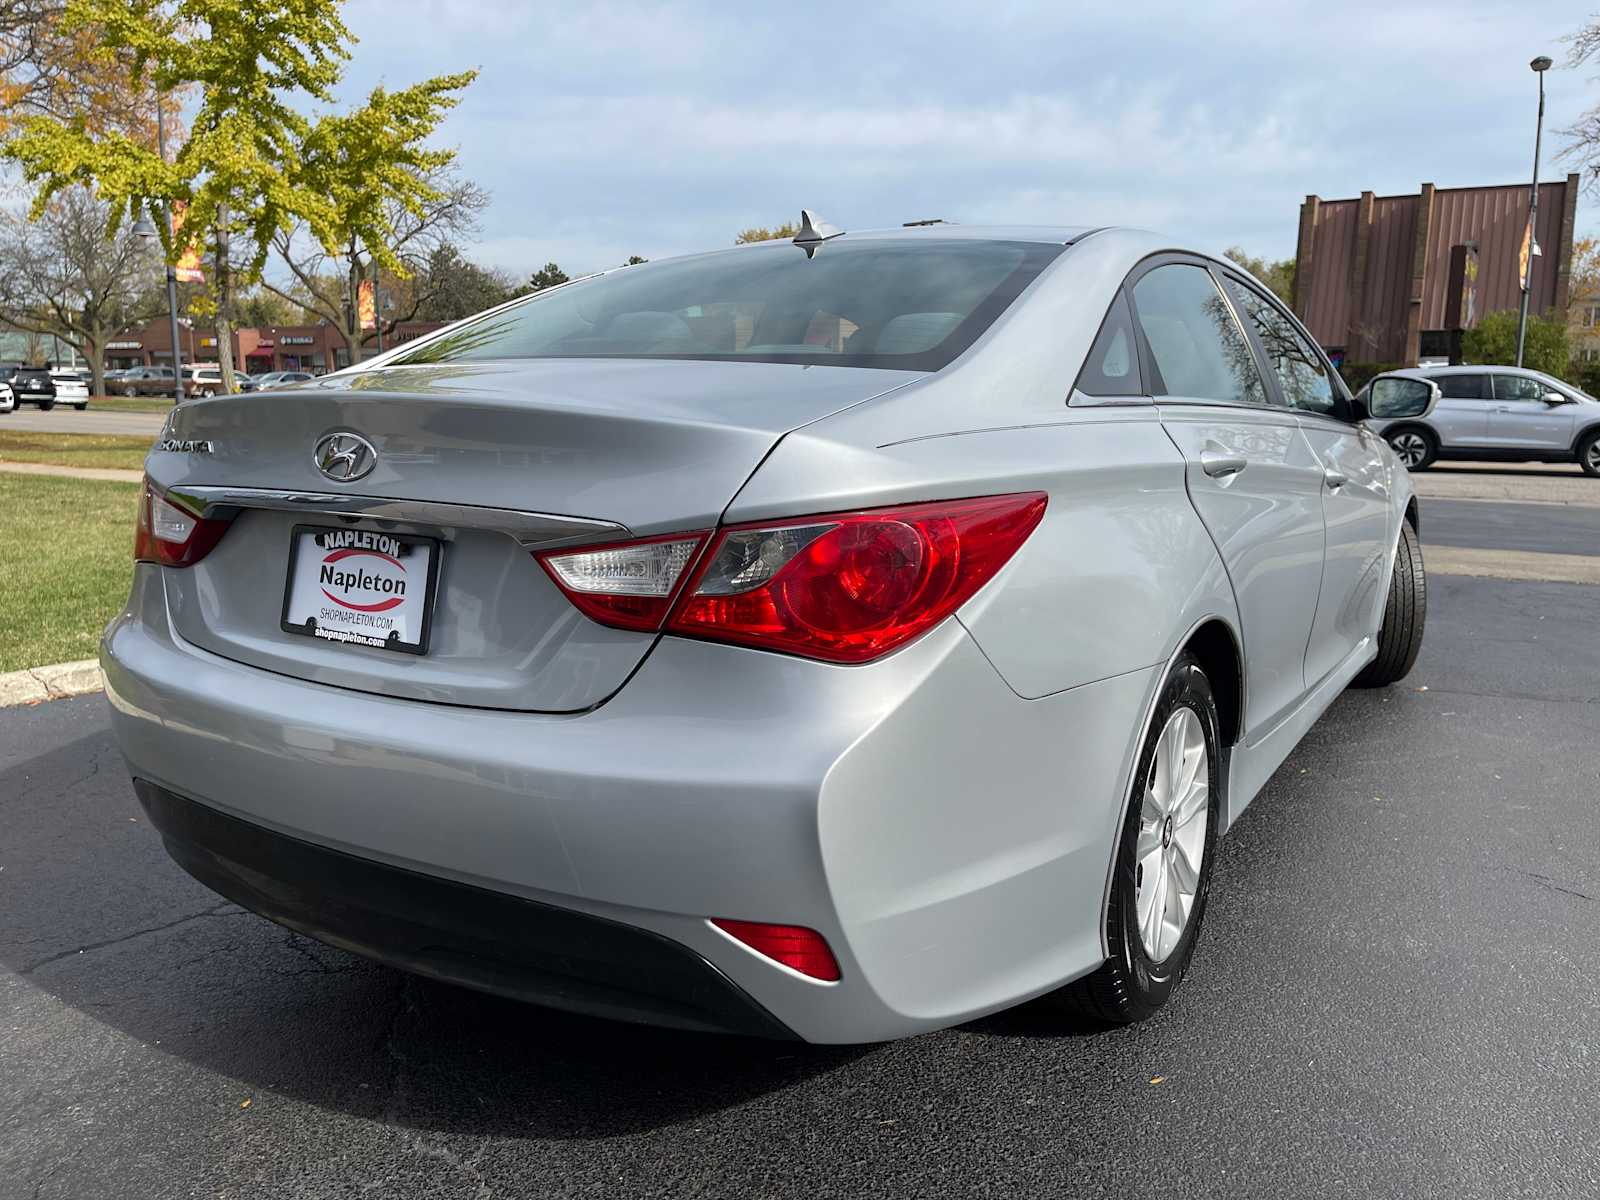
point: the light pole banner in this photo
(366, 305)
(187, 268)
(1530, 251)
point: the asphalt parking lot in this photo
(1395, 994)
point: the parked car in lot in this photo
(146, 381)
(833, 640)
(1506, 414)
(202, 380)
(30, 385)
(278, 379)
(70, 388)
(8, 398)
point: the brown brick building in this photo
(316, 348)
(1396, 278)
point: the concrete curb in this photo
(56, 682)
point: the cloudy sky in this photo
(606, 128)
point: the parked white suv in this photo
(202, 381)
(70, 388)
(1506, 414)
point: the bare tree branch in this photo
(61, 276)
(1583, 136)
(331, 282)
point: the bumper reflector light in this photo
(795, 946)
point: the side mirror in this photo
(1392, 396)
(1553, 398)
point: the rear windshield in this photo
(905, 305)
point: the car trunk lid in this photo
(492, 460)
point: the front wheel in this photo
(130, 392)
(1163, 867)
(1415, 448)
(1404, 613)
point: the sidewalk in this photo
(112, 474)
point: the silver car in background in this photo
(1505, 414)
(70, 388)
(833, 639)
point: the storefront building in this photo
(316, 348)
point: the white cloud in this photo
(614, 128)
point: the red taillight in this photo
(795, 946)
(852, 586)
(171, 535)
(844, 587)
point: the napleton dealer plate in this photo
(361, 588)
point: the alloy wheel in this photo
(1592, 456)
(1172, 833)
(1410, 447)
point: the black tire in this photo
(1589, 452)
(84, 407)
(130, 392)
(1403, 440)
(46, 405)
(1404, 614)
(1129, 986)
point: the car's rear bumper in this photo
(950, 840)
(453, 931)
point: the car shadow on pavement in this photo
(96, 916)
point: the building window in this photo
(1591, 316)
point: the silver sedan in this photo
(835, 639)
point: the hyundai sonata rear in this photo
(762, 641)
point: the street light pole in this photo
(172, 273)
(1539, 66)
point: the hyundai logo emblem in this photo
(344, 457)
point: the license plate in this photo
(360, 588)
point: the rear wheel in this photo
(1416, 448)
(1163, 867)
(46, 405)
(84, 407)
(1400, 635)
(1589, 453)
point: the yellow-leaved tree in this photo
(259, 158)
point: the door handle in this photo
(1220, 466)
(1334, 480)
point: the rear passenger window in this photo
(1301, 375)
(1518, 387)
(1112, 368)
(1199, 350)
(1463, 387)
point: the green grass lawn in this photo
(73, 449)
(66, 563)
(158, 404)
